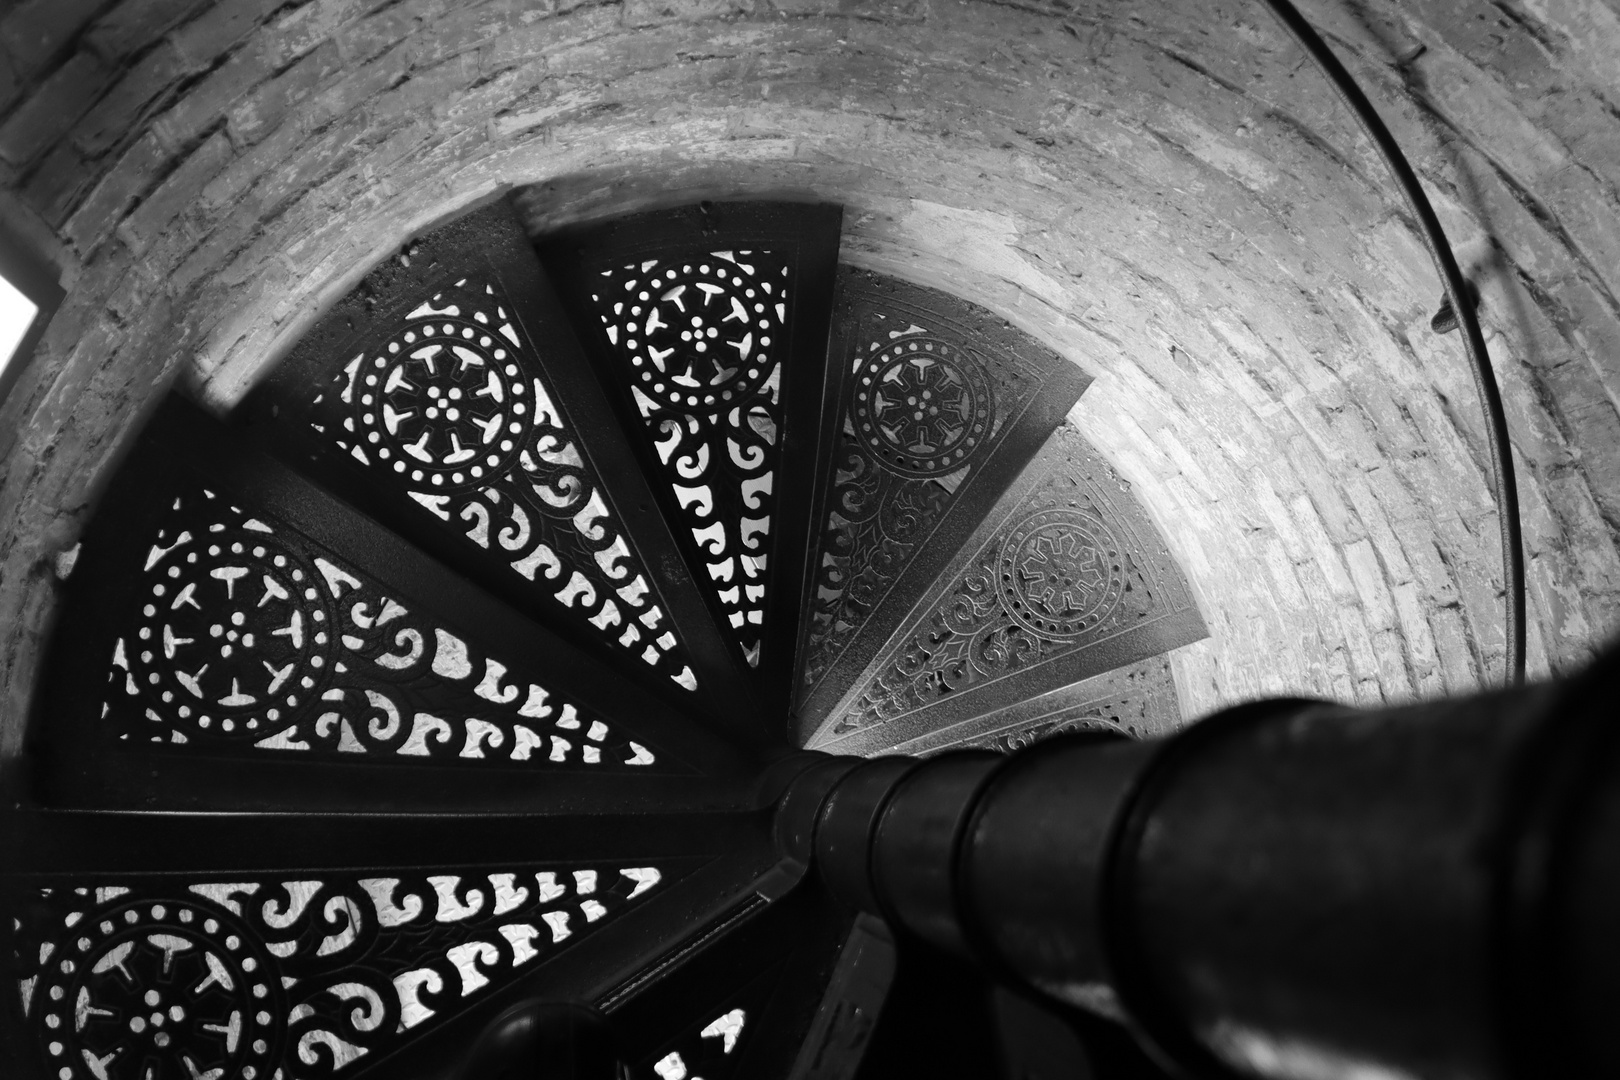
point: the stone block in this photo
(34, 32)
(659, 12)
(365, 38)
(119, 187)
(308, 26)
(1590, 538)
(270, 103)
(1323, 552)
(1321, 482)
(358, 86)
(47, 113)
(1360, 491)
(1595, 429)
(1415, 632)
(1368, 576)
(201, 109)
(131, 26)
(10, 85)
(57, 184)
(1457, 662)
(179, 192)
(220, 28)
(120, 115)
(1357, 638)
(1394, 677)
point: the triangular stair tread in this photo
(942, 404)
(444, 396)
(285, 972)
(213, 616)
(708, 326)
(1065, 579)
(1137, 701)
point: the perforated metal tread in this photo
(433, 662)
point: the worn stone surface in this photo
(1161, 190)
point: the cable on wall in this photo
(1460, 298)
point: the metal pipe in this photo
(1287, 889)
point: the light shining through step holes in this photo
(726, 1028)
(16, 315)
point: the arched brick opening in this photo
(1162, 191)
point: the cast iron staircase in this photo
(464, 663)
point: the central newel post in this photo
(1288, 888)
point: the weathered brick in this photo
(178, 192)
(202, 109)
(11, 85)
(310, 25)
(364, 39)
(1360, 491)
(48, 111)
(1457, 662)
(36, 31)
(270, 103)
(1371, 588)
(133, 25)
(57, 184)
(1394, 678)
(120, 115)
(135, 172)
(1322, 481)
(203, 40)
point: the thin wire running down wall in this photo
(1459, 298)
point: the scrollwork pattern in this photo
(454, 408)
(923, 410)
(286, 978)
(1138, 701)
(248, 635)
(700, 343)
(1063, 573)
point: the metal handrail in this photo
(1457, 293)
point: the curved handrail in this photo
(1434, 237)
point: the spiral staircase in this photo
(465, 664)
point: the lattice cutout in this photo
(1070, 570)
(712, 1046)
(699, 341)
(932, 389)
(247, 635)
(287, 978)
(454, 409)
(1137, 701)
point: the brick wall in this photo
(1163, 191)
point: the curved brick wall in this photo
(1162, 191)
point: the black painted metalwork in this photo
(1064, 579)
(545, 1038)
(1288, 888)
(835, 1044)
(708, 325)
(383, 623)
(447, 397)
(941, 404)
(1137, 701)
(221, 578)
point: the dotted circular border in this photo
(240, 721)
(502, 358)
(1100, 538)
(99, 933)
(974, 381)
(751, 373)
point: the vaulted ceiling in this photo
(1165, 192)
